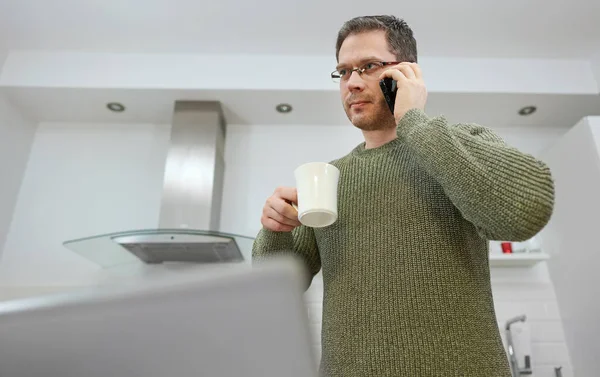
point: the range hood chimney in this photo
(190, 208)
(193, 181)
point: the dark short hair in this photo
(399, 35)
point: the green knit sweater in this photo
(406, 281)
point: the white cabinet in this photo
(572, 238)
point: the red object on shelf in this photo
(506, 247)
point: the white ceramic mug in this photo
(317, 185)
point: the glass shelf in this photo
(528, 259)
(107, 251)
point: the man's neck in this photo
(377, 138)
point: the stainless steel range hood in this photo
(190, 208)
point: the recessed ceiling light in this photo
(284, 108)
(116, 107)
(527, 110)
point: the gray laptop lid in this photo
(232, 321)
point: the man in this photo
(405, 267)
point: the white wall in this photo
(16, 135)
(595, 65)
(81, 180)
(260, 158)
(91, 178)
(571, 236)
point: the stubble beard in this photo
(378, 119)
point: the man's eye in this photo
(369, 66)
(343, 72)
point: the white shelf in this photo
(517, 259)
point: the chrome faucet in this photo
(512, 358)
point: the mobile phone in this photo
(389, 88)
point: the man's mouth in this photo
(358, 103)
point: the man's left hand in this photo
(412, 93)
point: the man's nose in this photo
(355, 82)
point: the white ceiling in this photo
(568, 29)
(246, 107)
(467, 28)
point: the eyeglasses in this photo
(368, 69)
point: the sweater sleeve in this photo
(300, 243)
(508, 195)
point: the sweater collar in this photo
(360, 150)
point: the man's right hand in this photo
(278, 214)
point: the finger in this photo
(417, 69)
(275, 226)
(287, 193)
(284, 209)
(407, 70)
(394, 74)
(271, 213)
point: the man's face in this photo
(362, 98)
